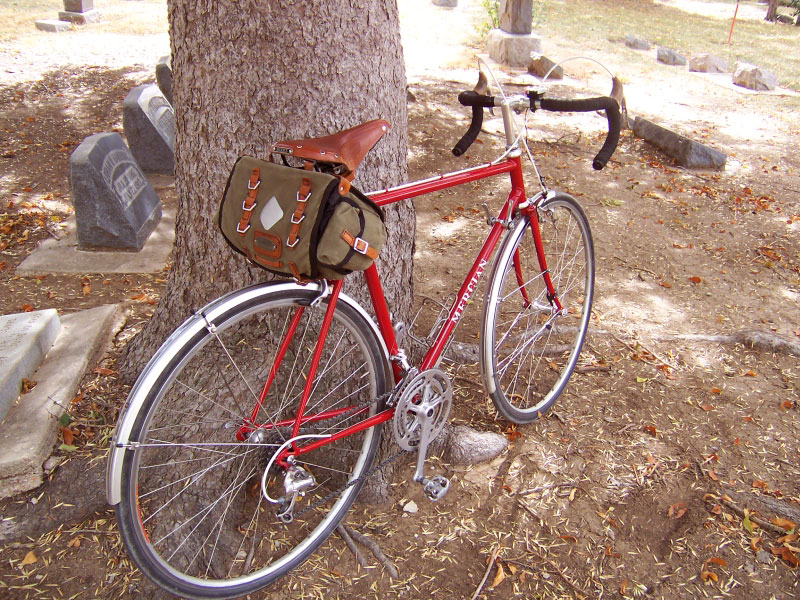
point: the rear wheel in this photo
(530, 347)
(192, 514)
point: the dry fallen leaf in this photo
(68, 435)
(755, 543)
(499, 577)
(708, 576)
(74, 542)
(718, 561)
(695, 280)
(29, 559)
(785, 554)
(784, 523)
(651, 430)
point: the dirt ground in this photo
(670, 466)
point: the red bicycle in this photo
(251, 431)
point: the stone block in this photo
(164, 77)
(540, 66)
(446, 3)
(78, 6)
(513, 49)
(53, 25)
(25, 339)
(686, 152)
(149, 124)
(708, 63)
(670, 57)
(115, 206)
(636, 43)
(28, 433)
(516, 16)
(753, 77)
(79, 18)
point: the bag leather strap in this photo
(298, 216)
(360, 245)
(249, 202)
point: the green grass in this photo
(774, 47)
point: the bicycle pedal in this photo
(436, 488)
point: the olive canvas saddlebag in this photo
(294, 222)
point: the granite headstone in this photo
(164, 76)
(516, 16)
(115, 205)
(149, 124)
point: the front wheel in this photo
(192, 514)
(530, 346)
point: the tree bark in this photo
(772, 11)
(247, 74)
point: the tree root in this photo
(777, 507)
(350, 538)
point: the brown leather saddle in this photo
(346, 148)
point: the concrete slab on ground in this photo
(25, 339)
(63, 255)
(28, 432)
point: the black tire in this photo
(529, 349)
(192, 515)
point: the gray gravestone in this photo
(164, 77)
(686, 152)
(79, 11)
(516, 16)
(115, 205)
(636, 43)
(708, 63)
(78, 6)
(25, 338)
(149, 124)
(670, 57)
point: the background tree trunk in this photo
(772, 11)
(247, 74)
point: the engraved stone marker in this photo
(149, 124)
(25, 338)
(79, 11)
(516, 16)
(115, 206)
(164, 77)
(513, 42)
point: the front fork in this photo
(532, 212)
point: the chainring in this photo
(431, 387)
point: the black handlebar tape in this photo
(588, 105)
(477, 102)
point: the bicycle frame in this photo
(514, 204)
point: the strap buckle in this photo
(360, 245)
(300, 220)
(253, 187)
(297, 239)
(238, 230)
(245, 207)
(299, 199)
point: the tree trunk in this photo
(250, 73)
(772, 11)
